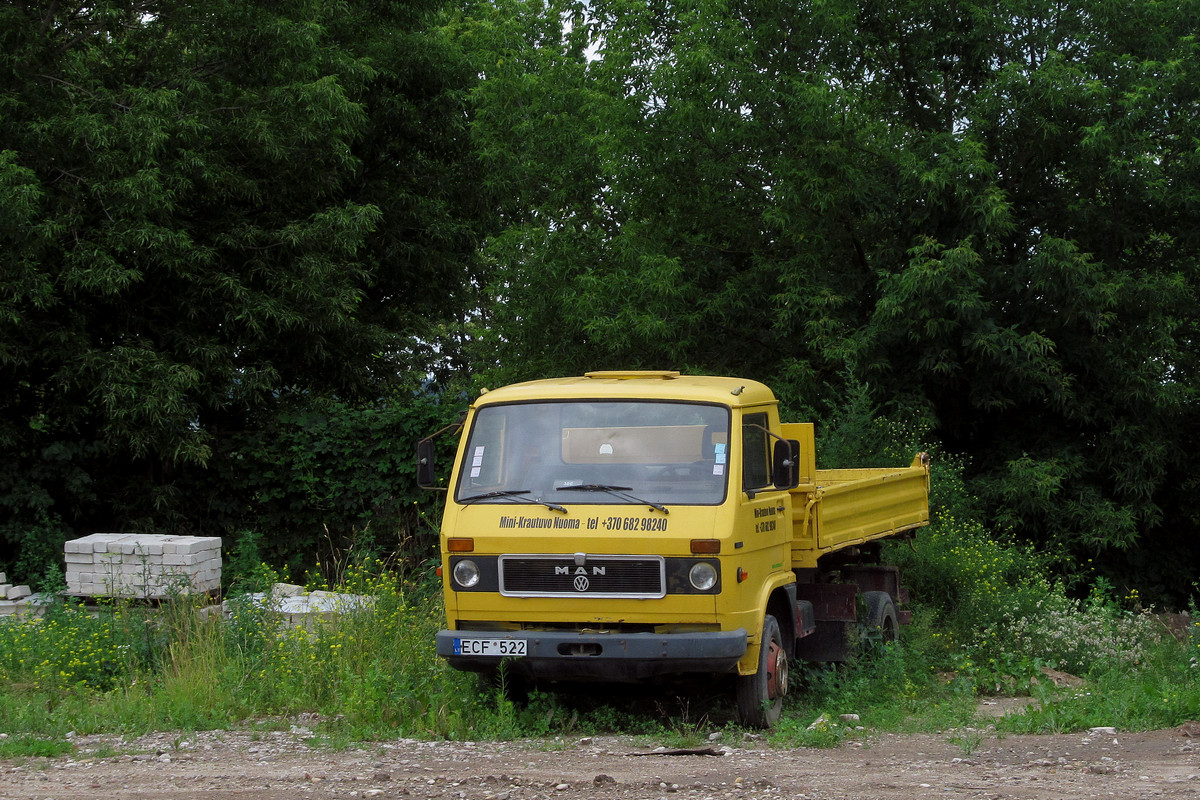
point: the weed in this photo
(34, 747)
(968, 741)
(991, 622)
(104, 751)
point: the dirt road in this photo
(285, 764)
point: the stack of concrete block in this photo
(13, 599)
(148, 566)
(10, 592)
(302, 609)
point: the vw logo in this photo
(581, 583)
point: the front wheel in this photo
(760, 696)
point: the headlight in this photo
(703, 576)
(466, 573)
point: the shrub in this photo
(70, 649)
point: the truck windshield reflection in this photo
(597, 452)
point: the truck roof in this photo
(636, 385)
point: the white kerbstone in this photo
(18, 592)
(22, 608)
(183, 559)
(307, 609)
(151, 566)
(99, 541)
(197, 544)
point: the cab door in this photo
(764, 509)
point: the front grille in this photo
(582, 576)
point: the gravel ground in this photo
(288, 764)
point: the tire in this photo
(760, 696)
(879, 624)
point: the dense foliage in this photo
(985, 212)
(250, 251)
(208, 211)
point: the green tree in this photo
(687, 226)
(204, 206)
(984, 208)
(536, 131)
(1046, 299)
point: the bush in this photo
(71, 649)
(368, 671)
(323, 478)
(993, 615)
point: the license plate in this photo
(489, 647)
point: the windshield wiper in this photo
(616, 491)
(516, 495)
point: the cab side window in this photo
(756, 452)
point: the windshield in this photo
(612, 452)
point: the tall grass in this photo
(371, 673)
(1001, 630)
(988, 619)
(130, 668)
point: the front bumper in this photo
(620, 657)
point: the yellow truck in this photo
(637, 526)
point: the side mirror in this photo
(425, 464)
(785, 467)
(426, 477)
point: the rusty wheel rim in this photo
(777, 671)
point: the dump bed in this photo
(837, 508)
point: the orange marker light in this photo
(706, 546)
(460, 545)
(742, 574)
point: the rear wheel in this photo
(879, 623)
(760, 696)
